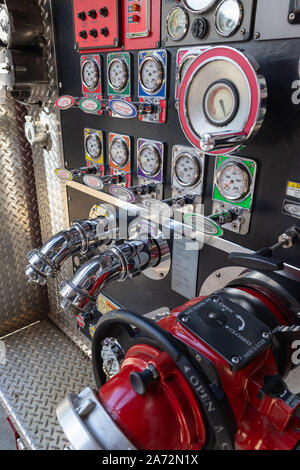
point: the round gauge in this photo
(63, 174)
(221, 102)
(149, 160)
(93, 146)
(187, 169)
(233, 181)
(151, 74)
(90, 74)
(228, 18)
(4, 25)
(199, 6)
(122, 193)
(119, 152)
(177, 23)
(203, 224)
(118, 74)
(157, 207)
(93, 182)
(112, 355)
(184, 65)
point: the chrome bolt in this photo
(212, 315)
(216, 299)
(265, 334)
(235, 360)
(185, 318)
(218, 275)
(256, 35)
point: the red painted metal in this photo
(169, 416)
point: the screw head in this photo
(265, 334)
(212, 315)
(216, 299)
(185, 318)
(218, 275)
(235, 360)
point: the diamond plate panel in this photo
(42, 367)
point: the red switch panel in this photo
(97, 24)
(141, 24)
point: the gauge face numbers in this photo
(177, 23)
(4, 25)
(199, 6)
(149, 160)
(221, 102)
(187, 169)
(93, 146)
(228, 17)
(112, 355)
(118, 74)
(151, 74)
(90, 74)
(233, 181)
(119, 152)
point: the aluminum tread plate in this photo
(42, 367)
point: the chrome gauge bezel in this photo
(186, 24)
(95, 136)
(247, 177)
(125, 69)
(126, 150)
(211, 3)
(97, 74)
(161, 77)
(195, 160)
(181, 65)
(233, 31)
(159, 159)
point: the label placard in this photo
(184, 267)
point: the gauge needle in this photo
(222, 106)
(228, 184)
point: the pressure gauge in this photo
(93, 146)
(187, 169)
(228, 17)
(199, 6)
(90, 74)
(221, 102)
(112, 355)
(184, 65)
(119, 152)
(118, 74)
(4, 25)
(233, 181)
(177, 23)
(149, 160)
(151, 74)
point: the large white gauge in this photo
(118, 74)
(199, 6)
(177, 23)
(4, 25)
(187, 169)
(90, 74)
(184, 65)
(149, 160)
(233, 181)
(93, 146)
(119, 152)
(112, 355)
(220, 102)
(151, 74)
(228, 17)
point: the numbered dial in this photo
(118, 74)
(184, 65)
(177, 23)
(93, 146)
(187, 169)
(221, 102)
(199, 6)
(119, 152)
(149, 160)
(112, 355)
(228, 17)
(151, 74)
(90, 74)
(233, 181)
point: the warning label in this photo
(105, 305)
(293, 189)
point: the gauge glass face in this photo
(157, 207)
(184, 65)
(112, 355)
(93, 146)
(228, 17)
(187, 169)
(221, 103)
(119, 152)
(149, 160)
(4, 25)
(233, 181)
(199, 5)
(203, 224)
(177, 23)
(118, 74)
(151, 74)
(90, 74)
